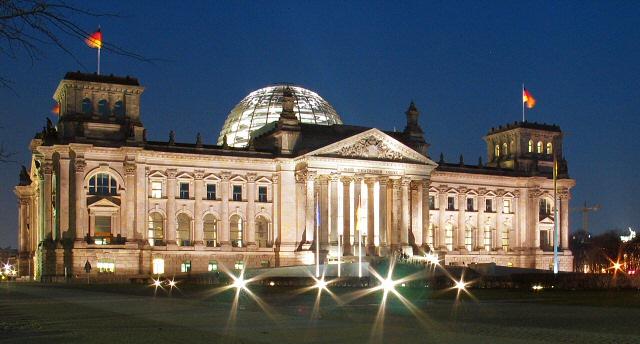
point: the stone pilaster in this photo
(251, 210)
(224, 210)
(372, 239)
(198, 191)
(81, 222)
(171, 205)
(129, 206)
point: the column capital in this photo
(251, 177)
(275, 178)
(198, 174)
(481, 191)
(415, 185)
(463, 190)
(358, 177)
(335, 176)
(405, 181)
(500, 192)
(535, 193)
(383, 179)
(346, 179)
(47, 168)
(564, 194)
(516, 193)
(442, 189)
(129, 168)
(310, 175)
(79, 165)
(370, 182)
(171, 173)
(225, 176)
(426, 183)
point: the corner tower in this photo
(99, 108)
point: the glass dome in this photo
(265, 105)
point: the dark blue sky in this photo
(463, 63)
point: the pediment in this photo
(547, 220)
(103, 202)
(372, 144)
(157, 174)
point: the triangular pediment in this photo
(372, 144)
(103, 202)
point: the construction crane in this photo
(584, 211)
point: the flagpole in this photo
(523, 102)
(317, 236)
(99, 61)
(555, 215)
(358, 225)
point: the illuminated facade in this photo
(99, 192)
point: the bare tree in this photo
(30, 25)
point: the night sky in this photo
(463, 63)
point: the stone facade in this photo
(99, 194)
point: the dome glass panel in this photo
(264, 106)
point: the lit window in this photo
(506, 206)
(237, 192)
(158, 266)
(451, 203)
(235, 231)
(103, 184)
(545, 207)
(118, 108)
(469, 203)
(489, 205)
(539, 147)
(213, 265)
(106, 266)
(497, 150)
(156, 232)
(185, 266)
(211, 192)
(103, 107)
(505, 239)
(549, 148)
(262, 194)
(239, 265)
(102, 233)
(184, 190)
(210, 231)
(264, 263)
(530, 146)
(184, 230)
(505, 152)
(156, 189)
(86, 105)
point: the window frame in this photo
(211, 194)
(183, 190)
(236, 196)
(263, 193)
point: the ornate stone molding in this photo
(534, 193)
(516, 193)
(171, 173)
(415, 185)
(463, 190)
(335, 176)
(500, 192)
(198, 174)
(47, 168)
(481, 191)
(405, 181)
(251, 177)
(442, 189)
(370, 147)
(275, 178)
(129, 168)
(311, 176)
(225, 176)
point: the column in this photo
(251, 210)
(425, 212)
(416, 212)
(310, 211)
(481, 226)
(383, 181)
(324, 212)
(564, 197)
(23, 208)
(47, 169)
(442, 206)
(171, 205)
(395, 214)
(534, 218)
(129, 206)
(499, 227)
(275, 185)
(198, 228)
(371, 216)
(81, 223)
(462, 207)
(517, 240)
(333, 208)
(63, 195)
(405, 215)
(224, 210)
(346, 216)
(360, 227)
(141, 229)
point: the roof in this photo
(107, 79)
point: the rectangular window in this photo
(106, 266)
(237, 192)
(211, 192)
(158, 266)
(469, 204)
(102, 230)
(264, 263)
(186, 266)
(184, 190)
(262, 194)
(213, 265)
(451, 201)
(239, 265)
(506, 206)
(156, 189)
(432, 202)
(489, 205)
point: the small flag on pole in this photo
(95, 39)
(527, 98)
(56, 109)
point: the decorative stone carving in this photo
(79, 165)
(463, 190)
(171, 173)
(225, 176)
(251, 177)
(335, 176)
(534, 193)
(481, 191)
(516, 193)
(442, 189)
(310, 175)
(129, 168)
(500, 192)
(370, 147)
(198, 174)
(275, 178)
(415, 185)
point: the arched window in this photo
(103, 107)
(86, 105)
(430, 235)
(103, 184)
(468, 240)
(512, 146)
(263, 232)
(183, 230)
(118, 108)
(235, 231)
(545, 207)
(448, 236)
(505, 151)
(505, 238)
(539, 147)
(487, 237)
(497, 151)
(210, 228)
(530, 146)
(156, 229)
(549, 148)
